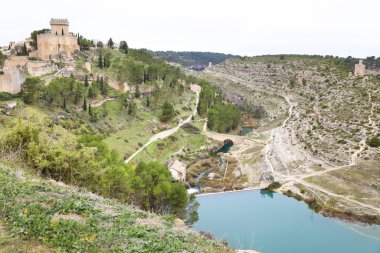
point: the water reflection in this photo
(266, 193)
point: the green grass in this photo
(135, 132)
(70, 220)
(181, 140)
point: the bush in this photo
(273, 186)
(373, 142)
(167, 112)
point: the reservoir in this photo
(273, 223)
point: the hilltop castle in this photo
(58, 40)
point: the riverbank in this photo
(314, 205)
(327, 211)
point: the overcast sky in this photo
(244, 27)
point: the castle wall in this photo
(51, 44)
(57, 29)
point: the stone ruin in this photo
(359, 69)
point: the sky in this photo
(242, 27)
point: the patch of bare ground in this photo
(360, 182)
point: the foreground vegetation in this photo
(46, 216)
(86, 161)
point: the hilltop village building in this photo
(59, 39)
(359, 69)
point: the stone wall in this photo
(39, 68)
(57, 29)
(51, 44)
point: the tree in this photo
(147, 101)
(103, 86)
(64, 102)
(99, 44)
(167, 112)
(24, 50)
(137, 92)
(192, 210)
(34, 34)
(178, 200)
(86, 81)
(223, 117)
(132, 109)
(84, 104)
(91, 93)
(89, 109)
(100, 62)
(106, 61)
(31, 89)
(110, 43)
(123, 47)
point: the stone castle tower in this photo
(58, 40)
(359, 69)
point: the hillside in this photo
(320, 129)
(195, 60)
(39, 215)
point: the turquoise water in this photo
(226, 148)
(245, 130)
(273, 223)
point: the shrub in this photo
(373, 142)
(273, 186)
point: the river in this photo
(274, 223)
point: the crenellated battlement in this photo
(59, 21)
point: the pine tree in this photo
(91, 93)
(123, 47)
(89, 109)
(100, 64)
(71, 86)
(84, 103)
(110, 43)
(24, 50)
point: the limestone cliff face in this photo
(12, 79)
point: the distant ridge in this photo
(194, 60)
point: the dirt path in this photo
(164, 134)
(96, 103)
